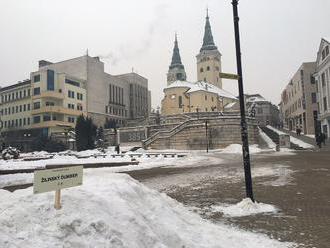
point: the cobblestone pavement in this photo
(300, 188)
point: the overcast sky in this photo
(276, 36)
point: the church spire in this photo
(176, 58)
(208, 42)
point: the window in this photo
(207, 68)
(20, 122)
(46, 118)
(36, 105)
(260, 111)
(17, 95)
(20, 94)
(24, 121)
(71, 119)
(36, 78)
(68, 81)
(70, 94)
(29, 92)
(79, 107)
(24, 93)
(28, 106)
(70, 106)
(50, 104)
(79, 96)
(36, 119)
(201, 70)
(205, 97)
(28, 120)
(16, 109)
(212, 99)
(50, 80)
(20, 108)
(16, 123)
(36, 91)
(180, 101)
(323, 79)
(313, 97)
(325, 107)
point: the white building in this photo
(322, 77)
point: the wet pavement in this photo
(298, 185)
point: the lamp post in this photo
(244, 131)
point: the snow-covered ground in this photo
(113, 211)
(293, 139)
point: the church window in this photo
(208, 68)
(202, 70)
(180, 101)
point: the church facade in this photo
(205, 95)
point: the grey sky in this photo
(276, 35)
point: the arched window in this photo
(201, 70)
(208, 68)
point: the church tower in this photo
(209, 58)
(176, 69)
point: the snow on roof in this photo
(326, 39)
(256, 98)
(201, 86)
(230, 105)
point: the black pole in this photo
(207, 137)
(244, 131)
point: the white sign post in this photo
(57, 179)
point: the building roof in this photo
(13, 86)
(201, 86)
(176, 58)
(208, 42)
(255, 98)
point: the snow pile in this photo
(268, 140)
(294, 140)
(244, 208)
(113, 211)
(237, 148)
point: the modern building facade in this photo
(322, 78)
(299, 100)
(57, 93)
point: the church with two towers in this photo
(205, 95)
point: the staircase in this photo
(166, 133)
(275, 137)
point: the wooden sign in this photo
(229, 76)
(57, 179)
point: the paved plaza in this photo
(300, 189)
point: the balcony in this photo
(45, 124)
(56, 109)
(49, 94)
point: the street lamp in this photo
(244, 131)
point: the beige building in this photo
(185, 97)
(299, 101)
